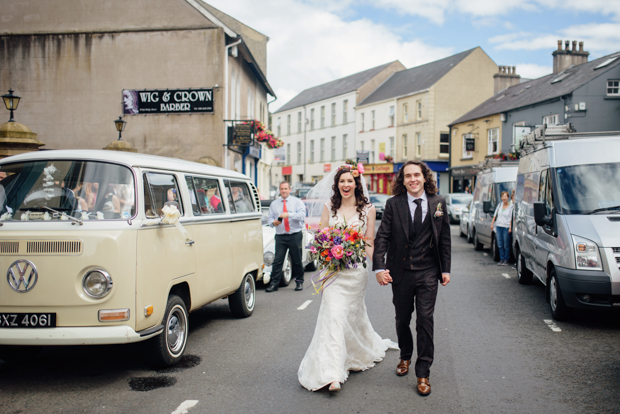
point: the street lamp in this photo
(120, 126)
(11, 101)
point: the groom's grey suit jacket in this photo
(393, 236)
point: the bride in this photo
(344, 339)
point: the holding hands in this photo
(384, 277)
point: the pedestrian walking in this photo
(502, 218)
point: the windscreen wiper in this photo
(598, 210)
(73, 219)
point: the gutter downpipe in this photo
(226, 92)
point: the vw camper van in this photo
(102, 247)
(490, 183)
(567, 218)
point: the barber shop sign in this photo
(167, 101)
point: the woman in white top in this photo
(503, 228)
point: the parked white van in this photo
(567, 218)
(490, 183)
(104, 247)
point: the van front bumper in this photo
(104, 335)
(586, 289)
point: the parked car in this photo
(105, 247)
(269, 250)
(379, 200)
(456, 202)
(464, 224)
(302, 192)
(490, 183)
(567, 219)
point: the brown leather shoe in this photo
(403, 367)
(424, 387)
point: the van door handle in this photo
(190, 242)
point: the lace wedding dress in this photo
(344, 339)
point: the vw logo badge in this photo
(22, 276)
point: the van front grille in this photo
(54, 247)
(9, 247)
(616, 251)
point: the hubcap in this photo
(249, 292)
(176, 330)
(286, 271)
(553, 294)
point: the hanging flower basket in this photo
(388, 158)
(265, 136)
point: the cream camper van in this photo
(102, 247)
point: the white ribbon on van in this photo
(171, 216)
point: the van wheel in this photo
(168, 346)
(243, 300)
(494, 248)
(312, 266)
(461, 232)
(559, 310)
(469, 238)
(524, 275)
(287, 271)
(477, 245)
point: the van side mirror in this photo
(487, 207)
(540, 215)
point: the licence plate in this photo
(27, 320)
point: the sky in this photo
(316, 41)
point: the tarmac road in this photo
(496, 351)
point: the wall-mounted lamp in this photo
(120, 126)
(11, 101)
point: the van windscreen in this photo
(584, 189)
(57, 190)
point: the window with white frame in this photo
(250, 103)
(362, 115)
(391, 150)
(323, 116)
(405, 145)
(311, 150)
(418, 142)
(322, 150)
(288, 154)
(372, 117)
(551, 119)
(299, 153)
(391, 117)
(299, 122)
(333, 157)
(288, 124)
(312, 119)
(444, 143)
(405, 113)
(613, 87)
(278, 129)
(344, 146)
(372, 151)
(467, 154)
(334, 114)
(419, 109)
(493, 138)
(345, 110)
(362, 145)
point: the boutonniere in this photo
(439, 211)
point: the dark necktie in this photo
(417, 215)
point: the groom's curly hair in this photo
(360, 200)
(430, 185)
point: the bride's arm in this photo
(324, 218)
(370, 232)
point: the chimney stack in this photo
(565, 58)
(505, 77)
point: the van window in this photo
(53, 190)
(542, 186)
(159, 189)
(585, 188)
(208, 195)
(239, 197)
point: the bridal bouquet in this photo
(336, 248)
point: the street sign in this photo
(178, 101)
(243, 134)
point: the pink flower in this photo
(360, 168)
(313, 250)
(337, 251)
(349, 253)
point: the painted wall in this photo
(481, 127)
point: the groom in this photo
(415, 234)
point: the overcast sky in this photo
(316, 41)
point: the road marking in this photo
(185, 405)
(552, 325)
(305, 305)
(506, 275)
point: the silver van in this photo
(567, 218)
(490, 183)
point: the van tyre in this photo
(312, 266)
(477, 245)
(243, 300)
(559, 310)
(524, 275)
(287, 271)
(469, 238)
(168, 347)
(494, 248)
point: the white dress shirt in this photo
(413, 206)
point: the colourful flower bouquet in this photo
(336, 248)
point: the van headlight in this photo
(268, 258)
(97, 283)
(587, 255)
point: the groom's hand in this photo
(446, 278)
(384, 278)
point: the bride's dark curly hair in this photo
(360, 199)
(430, 185)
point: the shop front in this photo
(379, 177)
(463, 178)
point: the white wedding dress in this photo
(344, 339)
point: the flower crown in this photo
(355, 172)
